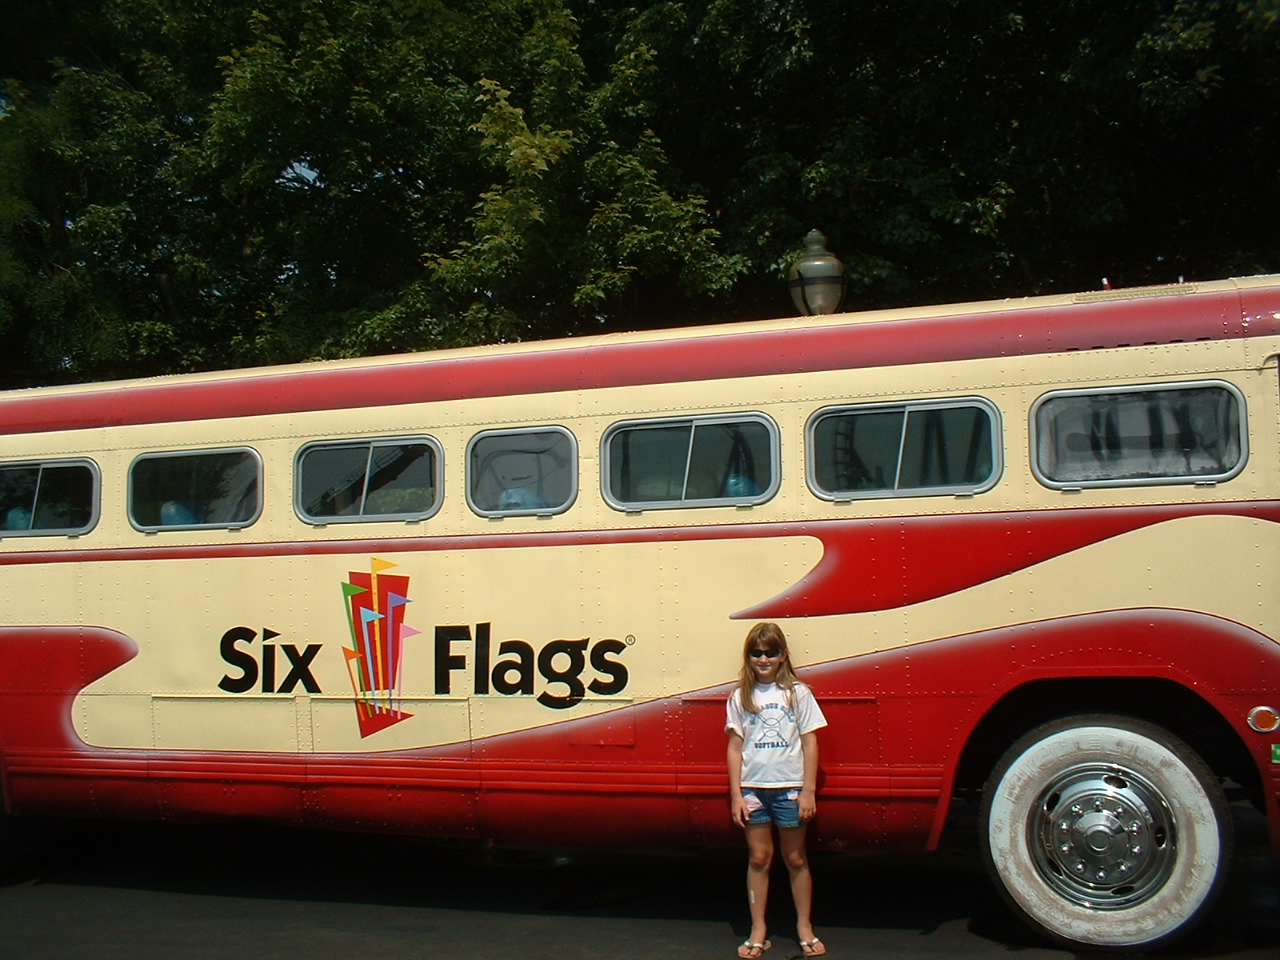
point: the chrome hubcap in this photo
(1103, 836)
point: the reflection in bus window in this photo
(59, 497)
(216, 488)
(913, 449)
(703, 462)
(368, 480)
(1180, 434)
(514, 472)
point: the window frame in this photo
(370, 442)
(639, 506)
(209, 451)
(524, 511)
(95, 510)
(1034, 435)
(995, 420)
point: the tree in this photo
(955, 150)
(272, 182)
(190, 185)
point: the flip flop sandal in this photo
(813, 948)
(753, 950)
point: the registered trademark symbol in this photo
(631, 640)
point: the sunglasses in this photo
(767, 654)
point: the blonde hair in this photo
(765, 635)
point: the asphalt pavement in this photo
(93, 890)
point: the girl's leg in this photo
(760, 858)
(793, 852)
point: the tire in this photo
(1106, 832)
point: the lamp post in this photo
(817, 278)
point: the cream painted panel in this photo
(435, 721)
(482, 413)
(124, 722)
(676, 606)
(41, 594)
(673, 599)
(205, 723)
(304, 722)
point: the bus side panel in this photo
(651, 772)
(855, 792)
(610, 778)
(932, 695)
(41, 671)
(201, 788)
(434, 794)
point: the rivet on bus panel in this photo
(1264, 719)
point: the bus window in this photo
(43, 499)
(522, 472)
(708, 461)
(1139, 435)
(914, 449)
(209, 488)
(368, 480)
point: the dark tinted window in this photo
(691, 462)
(1137, 436)
(910, 449)
(47, 498)
(215, 489)
(368, 480)
(522, 471)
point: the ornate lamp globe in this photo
(817, 279)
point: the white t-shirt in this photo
(771, 755)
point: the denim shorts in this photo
(780, 805)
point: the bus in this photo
(1026, 550)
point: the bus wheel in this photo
(1106, 831)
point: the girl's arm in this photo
(809, 792)
(737, 805)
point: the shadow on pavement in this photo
(938, 904)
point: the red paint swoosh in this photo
(880, 564)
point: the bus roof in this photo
(1179, 313)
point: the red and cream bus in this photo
(1028, 550)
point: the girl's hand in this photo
(738, 810)
(808, 805)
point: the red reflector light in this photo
(1264, 719)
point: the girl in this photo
(773, 770)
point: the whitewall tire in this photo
(1106, 832)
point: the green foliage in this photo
(190, 185)
(575, 215)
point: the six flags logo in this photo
(375, 605)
